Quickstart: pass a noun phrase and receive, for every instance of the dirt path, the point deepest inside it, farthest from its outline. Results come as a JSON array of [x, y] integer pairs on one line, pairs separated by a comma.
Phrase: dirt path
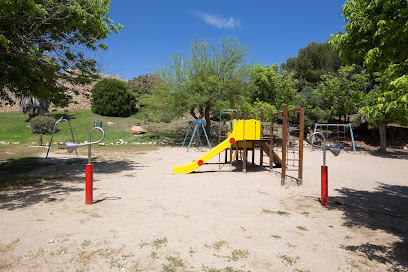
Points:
[[147, 219]]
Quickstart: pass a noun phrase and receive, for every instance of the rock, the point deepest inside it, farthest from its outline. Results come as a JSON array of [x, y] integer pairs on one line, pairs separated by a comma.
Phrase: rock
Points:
[[405, 147], [137, 130], [110, 124], [15, 142], [2, 142]]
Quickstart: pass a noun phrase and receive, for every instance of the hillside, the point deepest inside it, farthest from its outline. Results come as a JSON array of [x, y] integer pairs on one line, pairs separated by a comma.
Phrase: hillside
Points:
[[80, 101]]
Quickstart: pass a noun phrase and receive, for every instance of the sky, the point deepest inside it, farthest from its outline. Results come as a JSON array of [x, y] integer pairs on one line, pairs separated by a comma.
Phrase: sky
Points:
[[272, 30]]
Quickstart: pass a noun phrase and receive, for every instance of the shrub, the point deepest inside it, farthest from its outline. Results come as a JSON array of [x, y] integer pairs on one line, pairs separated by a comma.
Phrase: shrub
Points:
[[143, 84], [111, 97], [42, 124]]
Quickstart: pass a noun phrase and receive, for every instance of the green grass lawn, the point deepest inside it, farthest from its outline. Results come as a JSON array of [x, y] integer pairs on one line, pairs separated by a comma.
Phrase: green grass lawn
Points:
[[14, 128]]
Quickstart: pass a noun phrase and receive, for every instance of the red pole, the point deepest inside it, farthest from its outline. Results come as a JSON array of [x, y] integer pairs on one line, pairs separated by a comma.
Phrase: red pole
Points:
[[88, 184], [325, 197]]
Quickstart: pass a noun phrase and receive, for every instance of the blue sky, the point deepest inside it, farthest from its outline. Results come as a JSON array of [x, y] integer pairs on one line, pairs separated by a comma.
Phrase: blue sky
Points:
[[272, 30]]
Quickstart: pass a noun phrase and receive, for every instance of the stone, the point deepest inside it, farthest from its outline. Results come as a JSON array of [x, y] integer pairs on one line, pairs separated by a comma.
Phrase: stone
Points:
[[110, 124], [137, 130]]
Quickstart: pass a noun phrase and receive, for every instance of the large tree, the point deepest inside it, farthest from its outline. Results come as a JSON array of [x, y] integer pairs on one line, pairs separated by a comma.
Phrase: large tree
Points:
[[312, 61], [212, 77], [344, 93], [378, 32], [271, 86], [45, 44]]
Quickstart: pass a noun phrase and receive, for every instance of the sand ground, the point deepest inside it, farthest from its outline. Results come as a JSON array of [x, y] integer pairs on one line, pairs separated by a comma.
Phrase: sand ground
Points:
[[144, 218]]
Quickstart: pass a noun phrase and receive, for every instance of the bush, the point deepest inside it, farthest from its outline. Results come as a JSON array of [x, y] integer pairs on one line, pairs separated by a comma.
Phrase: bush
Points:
[[42, 124], [143, 84], [111, 97]]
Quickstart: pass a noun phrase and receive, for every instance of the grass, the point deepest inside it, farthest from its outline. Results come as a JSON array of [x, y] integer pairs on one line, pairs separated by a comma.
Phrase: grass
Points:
[[13, 128], [306, 214], [289, 260], [301, 228], [277, 212], [276, 236], [156, 243], [173, 264], [237, 254], [218, 245], [226, 269]]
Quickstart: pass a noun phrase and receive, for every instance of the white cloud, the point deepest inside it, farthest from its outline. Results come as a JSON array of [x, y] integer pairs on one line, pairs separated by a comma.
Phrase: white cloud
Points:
[[218, 21]]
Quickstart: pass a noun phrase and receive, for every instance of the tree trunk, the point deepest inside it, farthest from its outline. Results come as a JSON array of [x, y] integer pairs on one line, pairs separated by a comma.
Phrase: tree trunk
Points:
[[207, 120], [383, 137]]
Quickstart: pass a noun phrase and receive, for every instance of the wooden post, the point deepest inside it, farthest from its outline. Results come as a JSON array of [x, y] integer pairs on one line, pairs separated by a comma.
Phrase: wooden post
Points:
[[261, 143], [244, 149], [271, 144], [301, 136], [231, 126], [284, 143]]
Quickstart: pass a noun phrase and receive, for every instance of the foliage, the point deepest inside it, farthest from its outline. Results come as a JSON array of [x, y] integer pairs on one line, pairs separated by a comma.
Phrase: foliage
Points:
[[42, 124], [270, 86], [44, 44], [383, 107], [377, 31], [313, 107], [344, 93], [209, 79], [143, 84], [33, 105], [313, 61], [256, 107], [112, 97]]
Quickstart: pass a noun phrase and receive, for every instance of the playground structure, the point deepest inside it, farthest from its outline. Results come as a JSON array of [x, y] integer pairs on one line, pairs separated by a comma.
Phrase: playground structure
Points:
[[248, 134], [324, 200], [71, 146], [60, 146], [340, 133], [196, 133]]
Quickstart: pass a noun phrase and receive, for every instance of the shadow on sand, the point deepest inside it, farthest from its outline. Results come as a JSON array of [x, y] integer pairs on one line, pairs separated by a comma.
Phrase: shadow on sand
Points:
[[384, 209], [28, 181]]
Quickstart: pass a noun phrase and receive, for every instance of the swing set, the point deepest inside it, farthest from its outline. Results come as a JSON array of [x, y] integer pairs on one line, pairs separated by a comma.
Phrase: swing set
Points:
[[340, 132], [196, 133]]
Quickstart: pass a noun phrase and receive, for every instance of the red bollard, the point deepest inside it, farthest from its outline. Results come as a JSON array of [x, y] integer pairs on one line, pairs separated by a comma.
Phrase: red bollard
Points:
[[88, 184], [325, 194]]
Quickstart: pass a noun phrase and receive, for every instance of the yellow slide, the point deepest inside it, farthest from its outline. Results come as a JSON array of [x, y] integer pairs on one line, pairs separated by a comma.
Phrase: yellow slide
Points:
[[248, 129]]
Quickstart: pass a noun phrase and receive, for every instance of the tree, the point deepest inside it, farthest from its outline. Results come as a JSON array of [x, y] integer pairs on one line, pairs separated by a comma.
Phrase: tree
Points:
[[378, 32], [277, 89], [344, 94], [112, 97], [312, 61], [33, 105], [44, 44], [209, 79], [143, 84], [313, 105]]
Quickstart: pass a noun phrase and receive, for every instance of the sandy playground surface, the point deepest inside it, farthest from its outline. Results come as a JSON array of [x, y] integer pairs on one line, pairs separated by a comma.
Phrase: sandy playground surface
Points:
[[146, 219]]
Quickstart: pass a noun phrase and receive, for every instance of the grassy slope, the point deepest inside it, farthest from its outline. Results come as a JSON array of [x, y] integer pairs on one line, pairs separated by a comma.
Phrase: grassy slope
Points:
[[13, 128]]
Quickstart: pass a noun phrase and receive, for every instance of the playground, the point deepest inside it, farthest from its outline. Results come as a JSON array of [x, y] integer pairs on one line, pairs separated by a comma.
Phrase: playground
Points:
[[145, 218]]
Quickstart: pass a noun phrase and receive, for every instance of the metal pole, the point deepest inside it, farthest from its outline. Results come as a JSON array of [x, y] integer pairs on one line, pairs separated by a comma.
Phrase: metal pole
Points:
[[324, 200], [89, 170]]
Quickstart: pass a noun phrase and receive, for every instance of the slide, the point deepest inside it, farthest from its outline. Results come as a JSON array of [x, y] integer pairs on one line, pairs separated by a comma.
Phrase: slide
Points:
[[190, 167], [275, 157]]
